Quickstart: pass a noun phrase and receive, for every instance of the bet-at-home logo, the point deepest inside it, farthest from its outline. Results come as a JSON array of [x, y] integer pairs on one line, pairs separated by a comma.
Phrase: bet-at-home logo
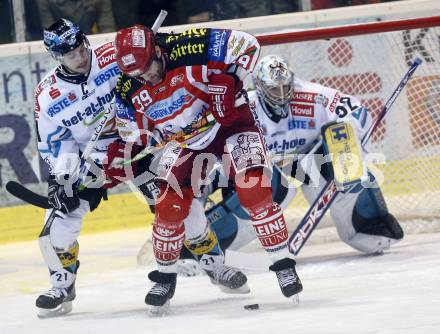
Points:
[[91, 113]]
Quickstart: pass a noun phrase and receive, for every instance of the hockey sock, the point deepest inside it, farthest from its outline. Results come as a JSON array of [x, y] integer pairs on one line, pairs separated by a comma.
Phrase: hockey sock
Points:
[[267, 217]]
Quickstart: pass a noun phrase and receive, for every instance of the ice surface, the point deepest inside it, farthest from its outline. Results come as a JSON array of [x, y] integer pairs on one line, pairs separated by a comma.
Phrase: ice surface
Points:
[[344, 292]]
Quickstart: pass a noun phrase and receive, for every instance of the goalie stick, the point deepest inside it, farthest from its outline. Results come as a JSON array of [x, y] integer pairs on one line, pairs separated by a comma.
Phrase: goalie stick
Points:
[[329, 192]]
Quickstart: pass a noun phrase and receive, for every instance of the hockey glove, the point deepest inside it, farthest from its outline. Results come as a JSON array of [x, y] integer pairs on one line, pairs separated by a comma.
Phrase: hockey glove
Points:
[[222, 90], [59, 200], [115, 165]]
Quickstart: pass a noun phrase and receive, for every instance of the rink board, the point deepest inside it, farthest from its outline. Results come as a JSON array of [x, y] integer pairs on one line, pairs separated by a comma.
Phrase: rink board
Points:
[[125, 211], [120, 212]]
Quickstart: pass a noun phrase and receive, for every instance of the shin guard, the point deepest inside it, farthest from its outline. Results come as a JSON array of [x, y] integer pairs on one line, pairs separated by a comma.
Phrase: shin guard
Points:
[[167, 244], [267, 217]]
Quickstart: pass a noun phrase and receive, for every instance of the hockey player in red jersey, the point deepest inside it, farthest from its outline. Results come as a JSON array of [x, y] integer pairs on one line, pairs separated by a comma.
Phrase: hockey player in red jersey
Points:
[[187, 89]]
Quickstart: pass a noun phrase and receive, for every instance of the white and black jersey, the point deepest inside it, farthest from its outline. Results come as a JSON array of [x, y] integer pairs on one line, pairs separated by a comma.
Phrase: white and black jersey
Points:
[[68, 107], [311, 107]]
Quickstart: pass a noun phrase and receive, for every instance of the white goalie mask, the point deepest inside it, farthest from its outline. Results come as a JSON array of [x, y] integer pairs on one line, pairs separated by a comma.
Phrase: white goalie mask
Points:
[[273, 81]]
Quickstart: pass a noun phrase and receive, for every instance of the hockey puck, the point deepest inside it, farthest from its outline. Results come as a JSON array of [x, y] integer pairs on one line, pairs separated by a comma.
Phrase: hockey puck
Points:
[[252, 307]]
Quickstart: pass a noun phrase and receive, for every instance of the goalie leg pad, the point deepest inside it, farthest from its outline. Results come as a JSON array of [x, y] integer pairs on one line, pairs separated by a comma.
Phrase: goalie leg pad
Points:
[[356, 214], [344, 148]]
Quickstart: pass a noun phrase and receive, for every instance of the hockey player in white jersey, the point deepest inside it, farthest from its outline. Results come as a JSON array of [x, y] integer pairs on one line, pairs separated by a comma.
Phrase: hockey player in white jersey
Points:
[[291, 113], [69, 101]]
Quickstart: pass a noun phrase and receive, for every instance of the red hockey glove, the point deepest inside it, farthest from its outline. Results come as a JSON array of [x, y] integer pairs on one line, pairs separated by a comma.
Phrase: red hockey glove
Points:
[[115, 170], [222, 89]]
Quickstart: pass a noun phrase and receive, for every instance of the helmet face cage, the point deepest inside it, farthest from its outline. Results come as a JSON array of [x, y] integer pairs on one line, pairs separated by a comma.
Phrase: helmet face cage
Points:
[[62, 37], [274, 83]]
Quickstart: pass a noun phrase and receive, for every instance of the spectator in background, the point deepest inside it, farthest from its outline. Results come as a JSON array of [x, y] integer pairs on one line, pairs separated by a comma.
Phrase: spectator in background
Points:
[[251, 8], [233, 9], [93, 16], [6, 17], [327, 4]]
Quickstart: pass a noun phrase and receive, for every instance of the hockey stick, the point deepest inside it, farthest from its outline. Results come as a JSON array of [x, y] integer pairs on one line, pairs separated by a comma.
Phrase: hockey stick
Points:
[[18, 190], [329, 192], [48, 251], [21, 192]]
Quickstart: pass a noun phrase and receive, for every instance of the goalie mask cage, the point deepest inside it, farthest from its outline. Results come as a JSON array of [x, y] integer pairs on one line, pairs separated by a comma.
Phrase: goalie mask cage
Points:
[[368, 61]]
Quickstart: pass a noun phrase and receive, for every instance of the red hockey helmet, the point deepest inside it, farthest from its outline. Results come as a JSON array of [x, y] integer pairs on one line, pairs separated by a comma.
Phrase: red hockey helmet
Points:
[[134, 50]]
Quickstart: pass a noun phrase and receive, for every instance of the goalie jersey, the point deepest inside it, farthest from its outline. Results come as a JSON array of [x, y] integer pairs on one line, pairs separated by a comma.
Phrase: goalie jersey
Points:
[[311, 106]]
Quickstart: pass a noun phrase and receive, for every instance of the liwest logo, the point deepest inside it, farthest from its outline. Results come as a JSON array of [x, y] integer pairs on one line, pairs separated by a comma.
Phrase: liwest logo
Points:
[[61, 104], [106, 75], [90, 113], [170, 108]]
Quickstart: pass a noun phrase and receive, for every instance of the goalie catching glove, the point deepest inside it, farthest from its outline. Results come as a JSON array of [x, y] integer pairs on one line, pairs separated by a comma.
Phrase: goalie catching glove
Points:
[[116, 165], [227, 100]]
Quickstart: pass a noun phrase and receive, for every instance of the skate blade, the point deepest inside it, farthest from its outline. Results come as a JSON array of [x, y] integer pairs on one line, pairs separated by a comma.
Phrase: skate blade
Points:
[[295, 299], [241, 290], [159, 311], [60, 310]]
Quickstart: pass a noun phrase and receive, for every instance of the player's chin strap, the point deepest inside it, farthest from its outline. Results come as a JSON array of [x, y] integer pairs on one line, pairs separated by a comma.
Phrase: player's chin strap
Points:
[[50, 256], [329, 192]]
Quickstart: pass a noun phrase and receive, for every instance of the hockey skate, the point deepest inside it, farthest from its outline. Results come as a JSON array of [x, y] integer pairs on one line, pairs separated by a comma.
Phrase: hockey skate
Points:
[[55, 302], [162, 291], [228, 279], [288, 279]]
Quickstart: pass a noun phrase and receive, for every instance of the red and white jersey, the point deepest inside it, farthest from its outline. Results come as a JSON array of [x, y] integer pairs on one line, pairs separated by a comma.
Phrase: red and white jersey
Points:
[[68, 107], [177, 108], [311, 107]]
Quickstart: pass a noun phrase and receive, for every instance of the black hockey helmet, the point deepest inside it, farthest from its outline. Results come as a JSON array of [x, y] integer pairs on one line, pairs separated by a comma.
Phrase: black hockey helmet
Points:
[[63, 36]]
